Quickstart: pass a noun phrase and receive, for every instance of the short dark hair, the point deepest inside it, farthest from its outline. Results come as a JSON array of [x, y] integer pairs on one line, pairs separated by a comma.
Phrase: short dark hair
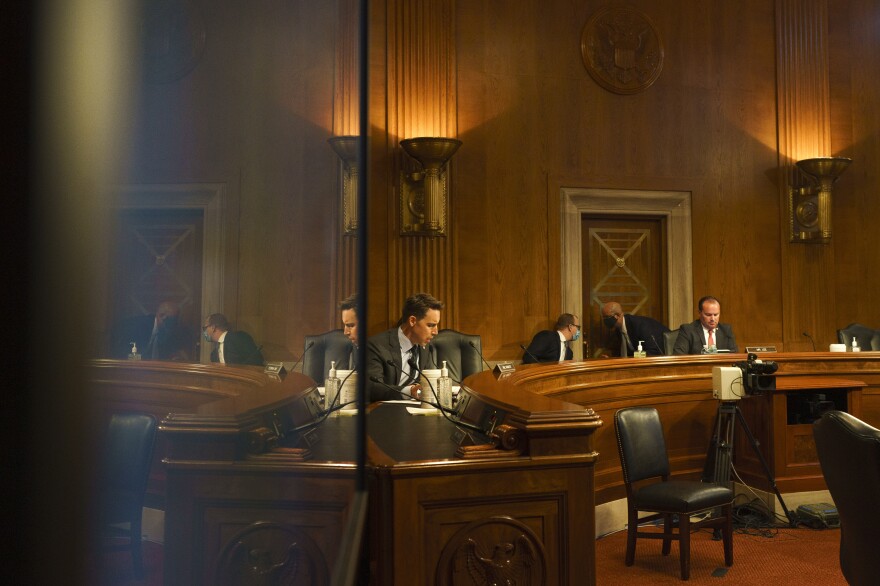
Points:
[[564, 320], [704, 300], [418, 305], [218, 320], [349, 302]]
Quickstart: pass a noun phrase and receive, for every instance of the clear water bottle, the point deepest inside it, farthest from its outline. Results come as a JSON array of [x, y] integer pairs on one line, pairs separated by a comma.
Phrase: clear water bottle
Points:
[[855, 345]]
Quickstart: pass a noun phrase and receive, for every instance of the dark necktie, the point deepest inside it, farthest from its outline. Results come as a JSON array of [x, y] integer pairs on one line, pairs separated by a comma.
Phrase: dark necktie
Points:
[[413, 362]]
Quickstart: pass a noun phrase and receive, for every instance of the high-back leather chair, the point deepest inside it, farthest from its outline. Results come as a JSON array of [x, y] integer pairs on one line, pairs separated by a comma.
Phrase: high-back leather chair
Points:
[[461, 357], [643, 457], [669, 339], [862, 333], [125, 470], [325, 348], [875, 341], [849, 454]]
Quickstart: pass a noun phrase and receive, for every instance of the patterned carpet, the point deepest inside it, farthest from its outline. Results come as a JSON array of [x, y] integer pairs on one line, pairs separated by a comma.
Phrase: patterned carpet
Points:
[[776, 557]]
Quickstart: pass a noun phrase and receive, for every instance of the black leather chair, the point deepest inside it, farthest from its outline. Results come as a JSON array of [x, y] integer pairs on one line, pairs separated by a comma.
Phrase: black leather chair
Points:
[[669, 339], [123, 482], [643, 457], [849, 454], [863, 334], [875, 341], [461, 358], [329, 346]]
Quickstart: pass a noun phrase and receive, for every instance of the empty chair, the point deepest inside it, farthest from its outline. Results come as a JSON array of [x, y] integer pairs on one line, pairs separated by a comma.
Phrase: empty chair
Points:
[[325, 348], [461, 357], [669, 339], [123, 482], [875, 341], [849, 454], [643, 457], [863, 334]]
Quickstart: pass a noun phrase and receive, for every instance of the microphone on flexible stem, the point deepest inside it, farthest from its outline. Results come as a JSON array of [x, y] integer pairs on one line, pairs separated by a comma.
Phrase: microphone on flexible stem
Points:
[[474, 346], [308, 347], [526, 350], [659, 349], [322, 415], [811, 340], [443, 410], [399, 371]]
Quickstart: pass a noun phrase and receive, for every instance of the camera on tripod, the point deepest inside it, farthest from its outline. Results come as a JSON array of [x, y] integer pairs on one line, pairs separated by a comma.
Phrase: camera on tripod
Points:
[[757, 375]]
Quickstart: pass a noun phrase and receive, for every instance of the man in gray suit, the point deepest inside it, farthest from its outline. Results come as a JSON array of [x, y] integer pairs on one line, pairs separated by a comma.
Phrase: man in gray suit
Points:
[[707, 332], [394, 356]]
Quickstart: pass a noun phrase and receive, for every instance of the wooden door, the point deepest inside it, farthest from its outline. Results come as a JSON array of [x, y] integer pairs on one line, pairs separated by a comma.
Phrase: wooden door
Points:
[[157, 257], [624, 260]]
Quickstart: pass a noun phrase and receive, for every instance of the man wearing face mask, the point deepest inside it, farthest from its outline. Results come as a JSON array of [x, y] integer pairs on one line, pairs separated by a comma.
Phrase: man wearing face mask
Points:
[[156, 337], [552, 345], [631, 329]]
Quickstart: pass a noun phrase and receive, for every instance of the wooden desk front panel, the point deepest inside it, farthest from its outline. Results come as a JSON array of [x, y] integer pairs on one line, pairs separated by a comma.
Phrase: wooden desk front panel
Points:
[[433, 517], [276, 507], [680, 387]]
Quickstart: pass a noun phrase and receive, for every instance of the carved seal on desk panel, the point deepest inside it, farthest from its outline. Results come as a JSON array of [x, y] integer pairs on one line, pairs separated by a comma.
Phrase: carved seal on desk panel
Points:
[[622, 50], [271, 553], [497, 550]]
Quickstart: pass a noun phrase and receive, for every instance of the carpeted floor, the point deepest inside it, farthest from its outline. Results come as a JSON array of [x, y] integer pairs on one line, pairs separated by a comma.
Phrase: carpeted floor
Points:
[[775, 557]]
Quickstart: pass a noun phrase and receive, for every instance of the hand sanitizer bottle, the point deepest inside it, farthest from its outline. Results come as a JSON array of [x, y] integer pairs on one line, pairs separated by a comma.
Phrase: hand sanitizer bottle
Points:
[[640, 353], [444, 387], [331, 387], [855, 345], [134, 352]]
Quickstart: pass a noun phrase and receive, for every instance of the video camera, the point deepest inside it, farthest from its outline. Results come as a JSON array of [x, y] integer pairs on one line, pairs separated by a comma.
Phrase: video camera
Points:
[[757, 375]]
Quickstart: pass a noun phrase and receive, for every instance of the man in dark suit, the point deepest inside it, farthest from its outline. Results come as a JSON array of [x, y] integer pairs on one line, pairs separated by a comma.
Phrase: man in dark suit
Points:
[[633, 329], [232, 347], [706, 333], [392, 354], [157, 337], [348, 309], [552, 345]]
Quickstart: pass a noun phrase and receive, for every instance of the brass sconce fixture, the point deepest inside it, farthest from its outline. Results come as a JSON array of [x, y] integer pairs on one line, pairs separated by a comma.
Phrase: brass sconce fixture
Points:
[[424, 192], [347, 149], [809, 206]]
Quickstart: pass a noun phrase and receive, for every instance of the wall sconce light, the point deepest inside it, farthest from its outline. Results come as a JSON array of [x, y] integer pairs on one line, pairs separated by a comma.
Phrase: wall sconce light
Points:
[[347, 149], [424, 192], [809, 206]]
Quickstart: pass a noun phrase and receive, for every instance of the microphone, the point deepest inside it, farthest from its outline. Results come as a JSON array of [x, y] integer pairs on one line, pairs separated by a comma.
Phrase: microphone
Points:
[[322, 415], [530, 354], [443, 410], [811, 340], [474, 346], [659, 349], [308, 347]]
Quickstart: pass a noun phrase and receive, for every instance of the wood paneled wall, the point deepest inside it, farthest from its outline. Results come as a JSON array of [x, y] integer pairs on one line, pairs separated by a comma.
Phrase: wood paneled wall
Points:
[[508, 80], [533, 121]]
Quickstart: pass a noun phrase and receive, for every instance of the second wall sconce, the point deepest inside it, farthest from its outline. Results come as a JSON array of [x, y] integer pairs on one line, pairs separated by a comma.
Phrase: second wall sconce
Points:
[[347, 149], [809, 207], [424, 192]]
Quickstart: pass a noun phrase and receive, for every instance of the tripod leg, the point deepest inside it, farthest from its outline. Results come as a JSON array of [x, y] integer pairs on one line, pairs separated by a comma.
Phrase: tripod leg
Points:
[[754, 443]]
